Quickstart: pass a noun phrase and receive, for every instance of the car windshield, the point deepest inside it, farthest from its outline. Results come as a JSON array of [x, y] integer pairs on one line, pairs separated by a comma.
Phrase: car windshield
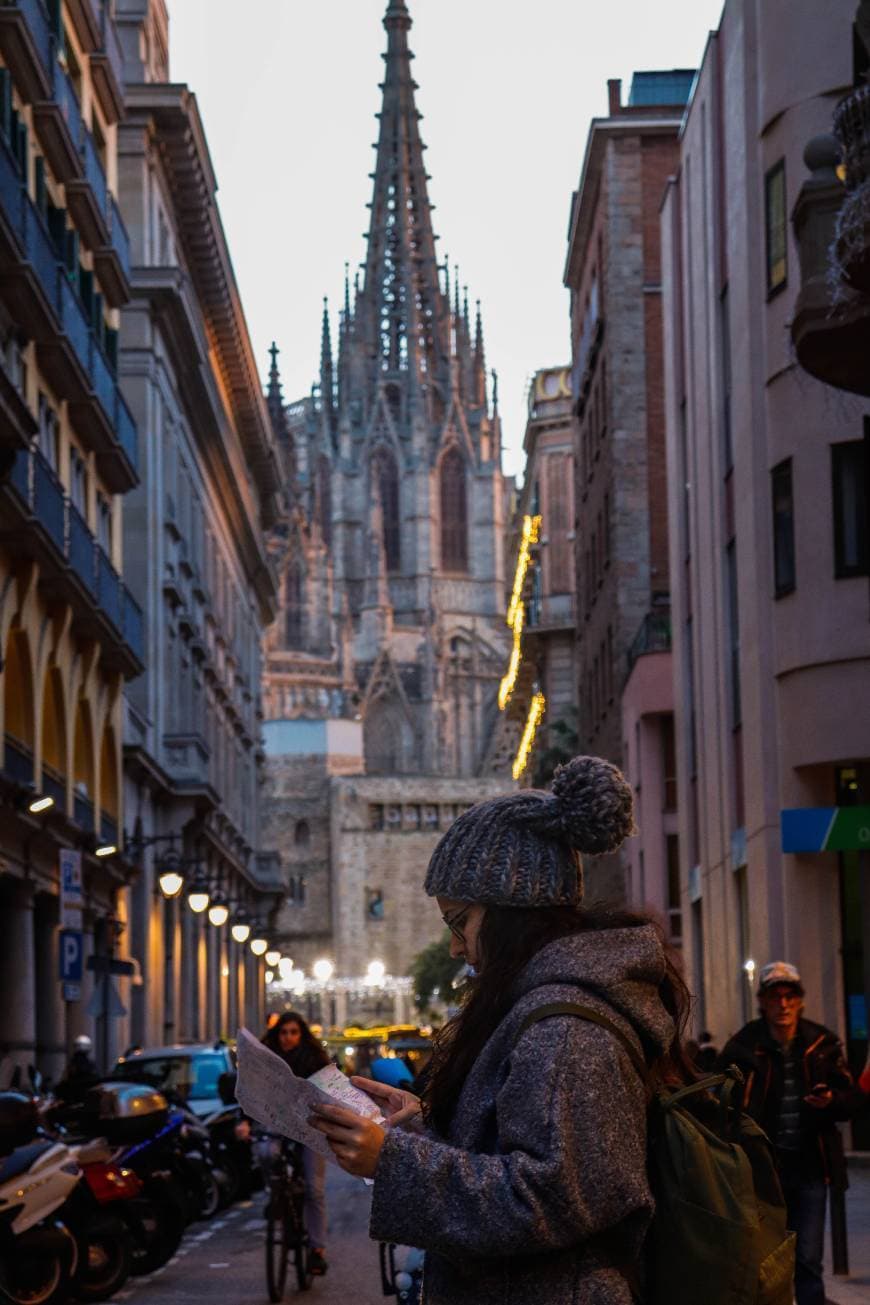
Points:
[[191, 1077]]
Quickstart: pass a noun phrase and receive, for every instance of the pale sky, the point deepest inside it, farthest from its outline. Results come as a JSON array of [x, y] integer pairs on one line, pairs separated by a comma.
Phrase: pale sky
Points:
[[288, 91]]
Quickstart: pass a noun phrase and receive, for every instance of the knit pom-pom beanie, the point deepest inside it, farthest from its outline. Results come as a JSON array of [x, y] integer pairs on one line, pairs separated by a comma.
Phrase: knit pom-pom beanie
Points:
[[524, 849]]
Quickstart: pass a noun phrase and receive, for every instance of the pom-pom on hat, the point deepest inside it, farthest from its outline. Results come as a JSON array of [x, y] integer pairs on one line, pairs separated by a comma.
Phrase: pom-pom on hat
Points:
[[522, 849]]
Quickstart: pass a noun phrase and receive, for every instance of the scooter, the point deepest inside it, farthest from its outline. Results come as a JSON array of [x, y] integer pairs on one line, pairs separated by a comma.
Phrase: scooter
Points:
[[39, 1254]]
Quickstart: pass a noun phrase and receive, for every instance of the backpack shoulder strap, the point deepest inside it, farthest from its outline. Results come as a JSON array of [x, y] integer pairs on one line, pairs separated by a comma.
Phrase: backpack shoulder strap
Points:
[[593, 1016]]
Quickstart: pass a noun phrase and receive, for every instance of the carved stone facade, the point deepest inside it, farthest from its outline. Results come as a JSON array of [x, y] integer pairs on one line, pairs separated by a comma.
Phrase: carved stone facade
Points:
[[392, 596]]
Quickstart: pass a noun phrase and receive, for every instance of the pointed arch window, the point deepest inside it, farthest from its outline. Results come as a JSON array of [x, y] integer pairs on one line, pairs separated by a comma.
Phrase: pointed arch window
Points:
[[293, 606], [324, 497], [454, 512], [386, 474]]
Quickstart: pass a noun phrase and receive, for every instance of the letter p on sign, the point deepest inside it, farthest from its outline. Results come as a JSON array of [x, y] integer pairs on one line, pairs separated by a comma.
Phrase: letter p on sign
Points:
[[71, 956]]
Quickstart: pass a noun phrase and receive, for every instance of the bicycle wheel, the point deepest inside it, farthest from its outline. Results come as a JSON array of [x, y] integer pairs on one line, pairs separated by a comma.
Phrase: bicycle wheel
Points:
[[297, 1239], [277, 1247]]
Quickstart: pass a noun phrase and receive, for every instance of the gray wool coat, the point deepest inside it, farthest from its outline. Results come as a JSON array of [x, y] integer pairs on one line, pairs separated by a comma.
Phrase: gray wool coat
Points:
[[540, 1187]]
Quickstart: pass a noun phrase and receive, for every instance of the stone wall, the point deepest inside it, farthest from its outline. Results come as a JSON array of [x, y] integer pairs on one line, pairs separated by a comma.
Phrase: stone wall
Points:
[[383, 832]]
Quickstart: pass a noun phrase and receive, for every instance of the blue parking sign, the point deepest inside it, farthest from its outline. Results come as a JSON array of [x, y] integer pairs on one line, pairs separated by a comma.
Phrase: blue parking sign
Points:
[[71, 956]]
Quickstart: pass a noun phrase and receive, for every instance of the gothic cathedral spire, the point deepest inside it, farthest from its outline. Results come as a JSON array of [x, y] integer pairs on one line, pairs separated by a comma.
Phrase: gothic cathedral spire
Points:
[[400, 312]]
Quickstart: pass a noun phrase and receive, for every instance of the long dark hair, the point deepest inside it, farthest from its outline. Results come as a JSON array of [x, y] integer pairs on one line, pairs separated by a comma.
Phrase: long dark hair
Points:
[[310, 1055], [509, 938]]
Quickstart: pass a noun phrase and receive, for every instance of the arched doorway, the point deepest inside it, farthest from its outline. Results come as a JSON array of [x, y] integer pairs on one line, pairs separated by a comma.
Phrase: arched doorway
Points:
[[83, 768], [54, 755], [19, 724]]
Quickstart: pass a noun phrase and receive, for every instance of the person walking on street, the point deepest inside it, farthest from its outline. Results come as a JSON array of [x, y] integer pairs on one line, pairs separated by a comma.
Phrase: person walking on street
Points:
[[798, 1086], [291, 1038], [522, 1173], [81, 1073]]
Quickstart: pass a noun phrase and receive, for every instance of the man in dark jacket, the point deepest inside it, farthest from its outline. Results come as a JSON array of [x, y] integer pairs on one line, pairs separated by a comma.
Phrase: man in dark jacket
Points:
[[797, 1086]]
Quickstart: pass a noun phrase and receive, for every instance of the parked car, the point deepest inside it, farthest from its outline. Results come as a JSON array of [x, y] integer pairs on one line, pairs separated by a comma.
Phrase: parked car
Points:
[[187, 1072]]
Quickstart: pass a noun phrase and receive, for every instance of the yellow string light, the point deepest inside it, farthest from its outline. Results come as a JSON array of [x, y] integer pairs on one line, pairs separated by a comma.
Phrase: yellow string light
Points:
[[530, 532], [537, 707], [516, 613], [506, 688]]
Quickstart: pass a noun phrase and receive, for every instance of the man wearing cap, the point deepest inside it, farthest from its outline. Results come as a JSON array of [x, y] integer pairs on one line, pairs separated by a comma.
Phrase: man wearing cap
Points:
[[797, 1086]]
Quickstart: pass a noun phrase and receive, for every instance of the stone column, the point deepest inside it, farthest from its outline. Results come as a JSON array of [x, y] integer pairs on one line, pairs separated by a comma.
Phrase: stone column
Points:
[[201, 925], [51, 1050], [341, 1008], [187, 1021], [17, 984], [172, 952], [233, 1020], [139, 927], [241, 968]]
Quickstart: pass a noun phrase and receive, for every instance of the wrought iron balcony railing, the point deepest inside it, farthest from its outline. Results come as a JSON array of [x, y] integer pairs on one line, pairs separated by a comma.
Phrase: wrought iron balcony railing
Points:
[[76, 551], [654, 636]]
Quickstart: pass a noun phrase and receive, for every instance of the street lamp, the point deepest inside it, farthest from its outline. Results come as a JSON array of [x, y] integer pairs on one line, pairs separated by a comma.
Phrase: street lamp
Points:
[[169, 877], [105, 849], [198, 895], [219, 910], [259, 946], [285, 969], [41, 803], [240, 928], [376, 971], [322, 970], [273, 956], [269, 976]]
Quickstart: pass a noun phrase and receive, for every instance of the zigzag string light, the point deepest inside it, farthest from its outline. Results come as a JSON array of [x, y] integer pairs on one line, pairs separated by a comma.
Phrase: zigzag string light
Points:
[[531, 530], [516, 613], [537, 707]]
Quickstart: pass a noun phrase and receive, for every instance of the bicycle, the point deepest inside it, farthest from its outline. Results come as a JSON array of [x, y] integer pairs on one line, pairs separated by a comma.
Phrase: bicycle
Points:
[[285, 1225]]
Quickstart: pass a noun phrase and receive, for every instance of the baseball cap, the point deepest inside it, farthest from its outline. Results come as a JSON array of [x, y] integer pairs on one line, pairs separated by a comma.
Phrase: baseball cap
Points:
[[779, 972]]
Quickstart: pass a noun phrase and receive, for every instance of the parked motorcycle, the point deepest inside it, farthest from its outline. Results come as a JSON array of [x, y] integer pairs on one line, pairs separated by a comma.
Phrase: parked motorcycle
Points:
[[38, 1253], [231, 1144], [78, 1245]]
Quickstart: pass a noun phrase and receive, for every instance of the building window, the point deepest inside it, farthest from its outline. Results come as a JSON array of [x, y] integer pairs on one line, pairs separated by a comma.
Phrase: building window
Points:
[[375, 903], [293, 606], [454, 512], [104, 523], [324, 498], [302, 833], [669, 763], [733, 631], [776, 227], [376, 815], [385, 473], [78, 481], [849, 470], [725, 331], [675, 915], [782, 502], [49, 432]]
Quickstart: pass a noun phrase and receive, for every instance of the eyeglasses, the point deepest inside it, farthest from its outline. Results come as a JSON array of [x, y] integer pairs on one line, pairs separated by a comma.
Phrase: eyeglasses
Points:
[[454, 925]]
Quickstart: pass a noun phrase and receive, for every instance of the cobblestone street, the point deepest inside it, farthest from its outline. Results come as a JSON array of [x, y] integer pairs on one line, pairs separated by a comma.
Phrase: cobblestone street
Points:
[[854, 1290], [225, 1259]]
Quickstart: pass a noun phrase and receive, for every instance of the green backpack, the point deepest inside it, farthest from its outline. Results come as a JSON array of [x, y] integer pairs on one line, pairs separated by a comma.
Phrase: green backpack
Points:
[[719, 1231]]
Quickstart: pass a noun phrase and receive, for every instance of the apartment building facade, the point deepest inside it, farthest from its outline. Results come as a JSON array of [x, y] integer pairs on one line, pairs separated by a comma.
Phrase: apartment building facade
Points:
[[71, 631], [768, 532], [195, 534], [613, 272]]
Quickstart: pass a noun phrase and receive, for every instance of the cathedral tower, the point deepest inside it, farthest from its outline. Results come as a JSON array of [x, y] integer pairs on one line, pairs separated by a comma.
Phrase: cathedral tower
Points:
[[393, 566]]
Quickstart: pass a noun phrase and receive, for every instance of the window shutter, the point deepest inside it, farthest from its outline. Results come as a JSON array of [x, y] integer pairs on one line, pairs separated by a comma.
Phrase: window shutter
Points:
[[5, 103], [72, 251], [56, 219], [41, 193]]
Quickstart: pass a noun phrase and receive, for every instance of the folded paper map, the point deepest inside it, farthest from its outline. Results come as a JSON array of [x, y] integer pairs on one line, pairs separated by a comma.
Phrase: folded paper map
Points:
[[275, 1097]]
